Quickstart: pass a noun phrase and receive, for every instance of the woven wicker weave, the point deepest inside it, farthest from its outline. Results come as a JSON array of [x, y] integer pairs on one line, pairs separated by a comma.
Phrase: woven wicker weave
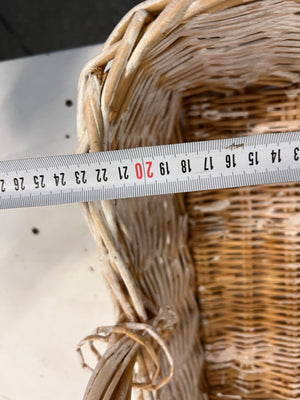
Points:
[[206, 284]]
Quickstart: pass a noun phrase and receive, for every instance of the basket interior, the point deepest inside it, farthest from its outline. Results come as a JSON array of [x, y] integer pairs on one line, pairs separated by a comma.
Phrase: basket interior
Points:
[[245, 242], [230, 75]]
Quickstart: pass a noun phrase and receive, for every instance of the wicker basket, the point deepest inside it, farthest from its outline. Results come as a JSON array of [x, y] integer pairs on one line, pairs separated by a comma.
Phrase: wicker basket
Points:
[[206, 284]]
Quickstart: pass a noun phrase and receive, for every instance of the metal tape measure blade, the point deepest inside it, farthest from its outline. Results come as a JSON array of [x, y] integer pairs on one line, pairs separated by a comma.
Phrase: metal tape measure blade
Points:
[[146, 171]]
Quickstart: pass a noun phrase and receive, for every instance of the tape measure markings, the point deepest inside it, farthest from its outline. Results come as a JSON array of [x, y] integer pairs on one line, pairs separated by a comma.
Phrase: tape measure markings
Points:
[[146, 171]]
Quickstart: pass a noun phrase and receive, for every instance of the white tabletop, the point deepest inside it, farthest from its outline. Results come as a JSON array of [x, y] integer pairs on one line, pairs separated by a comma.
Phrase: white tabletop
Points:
[[51, 290]]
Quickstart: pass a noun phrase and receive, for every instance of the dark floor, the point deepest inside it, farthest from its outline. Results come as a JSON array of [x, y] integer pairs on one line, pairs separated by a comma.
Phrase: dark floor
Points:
[[38, 26]]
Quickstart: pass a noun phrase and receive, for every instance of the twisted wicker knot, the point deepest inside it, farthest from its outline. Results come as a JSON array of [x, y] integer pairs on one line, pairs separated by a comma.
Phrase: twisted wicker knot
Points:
[[165, 322], [141, 333]]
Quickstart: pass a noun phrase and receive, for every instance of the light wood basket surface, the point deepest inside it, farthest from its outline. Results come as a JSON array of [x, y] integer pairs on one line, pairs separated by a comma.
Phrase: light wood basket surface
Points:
[[205, 284]]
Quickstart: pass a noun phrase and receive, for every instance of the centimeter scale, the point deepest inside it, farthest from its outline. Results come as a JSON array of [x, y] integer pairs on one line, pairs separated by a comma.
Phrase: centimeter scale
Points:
[[145, 171]]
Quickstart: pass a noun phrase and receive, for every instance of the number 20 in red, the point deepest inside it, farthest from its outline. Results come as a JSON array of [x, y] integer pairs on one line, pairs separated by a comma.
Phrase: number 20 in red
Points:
[[139, 170]]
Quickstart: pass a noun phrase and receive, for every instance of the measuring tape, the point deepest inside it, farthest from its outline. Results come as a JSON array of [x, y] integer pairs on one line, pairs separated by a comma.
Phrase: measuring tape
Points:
[[146, 171]]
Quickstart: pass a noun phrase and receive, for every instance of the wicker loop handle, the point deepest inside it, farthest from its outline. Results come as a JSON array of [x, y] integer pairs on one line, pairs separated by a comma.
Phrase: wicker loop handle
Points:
[[128, 329]]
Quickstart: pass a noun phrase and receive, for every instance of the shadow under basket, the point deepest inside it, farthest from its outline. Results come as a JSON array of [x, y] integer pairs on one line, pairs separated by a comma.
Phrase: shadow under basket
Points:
[[205, 284]]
